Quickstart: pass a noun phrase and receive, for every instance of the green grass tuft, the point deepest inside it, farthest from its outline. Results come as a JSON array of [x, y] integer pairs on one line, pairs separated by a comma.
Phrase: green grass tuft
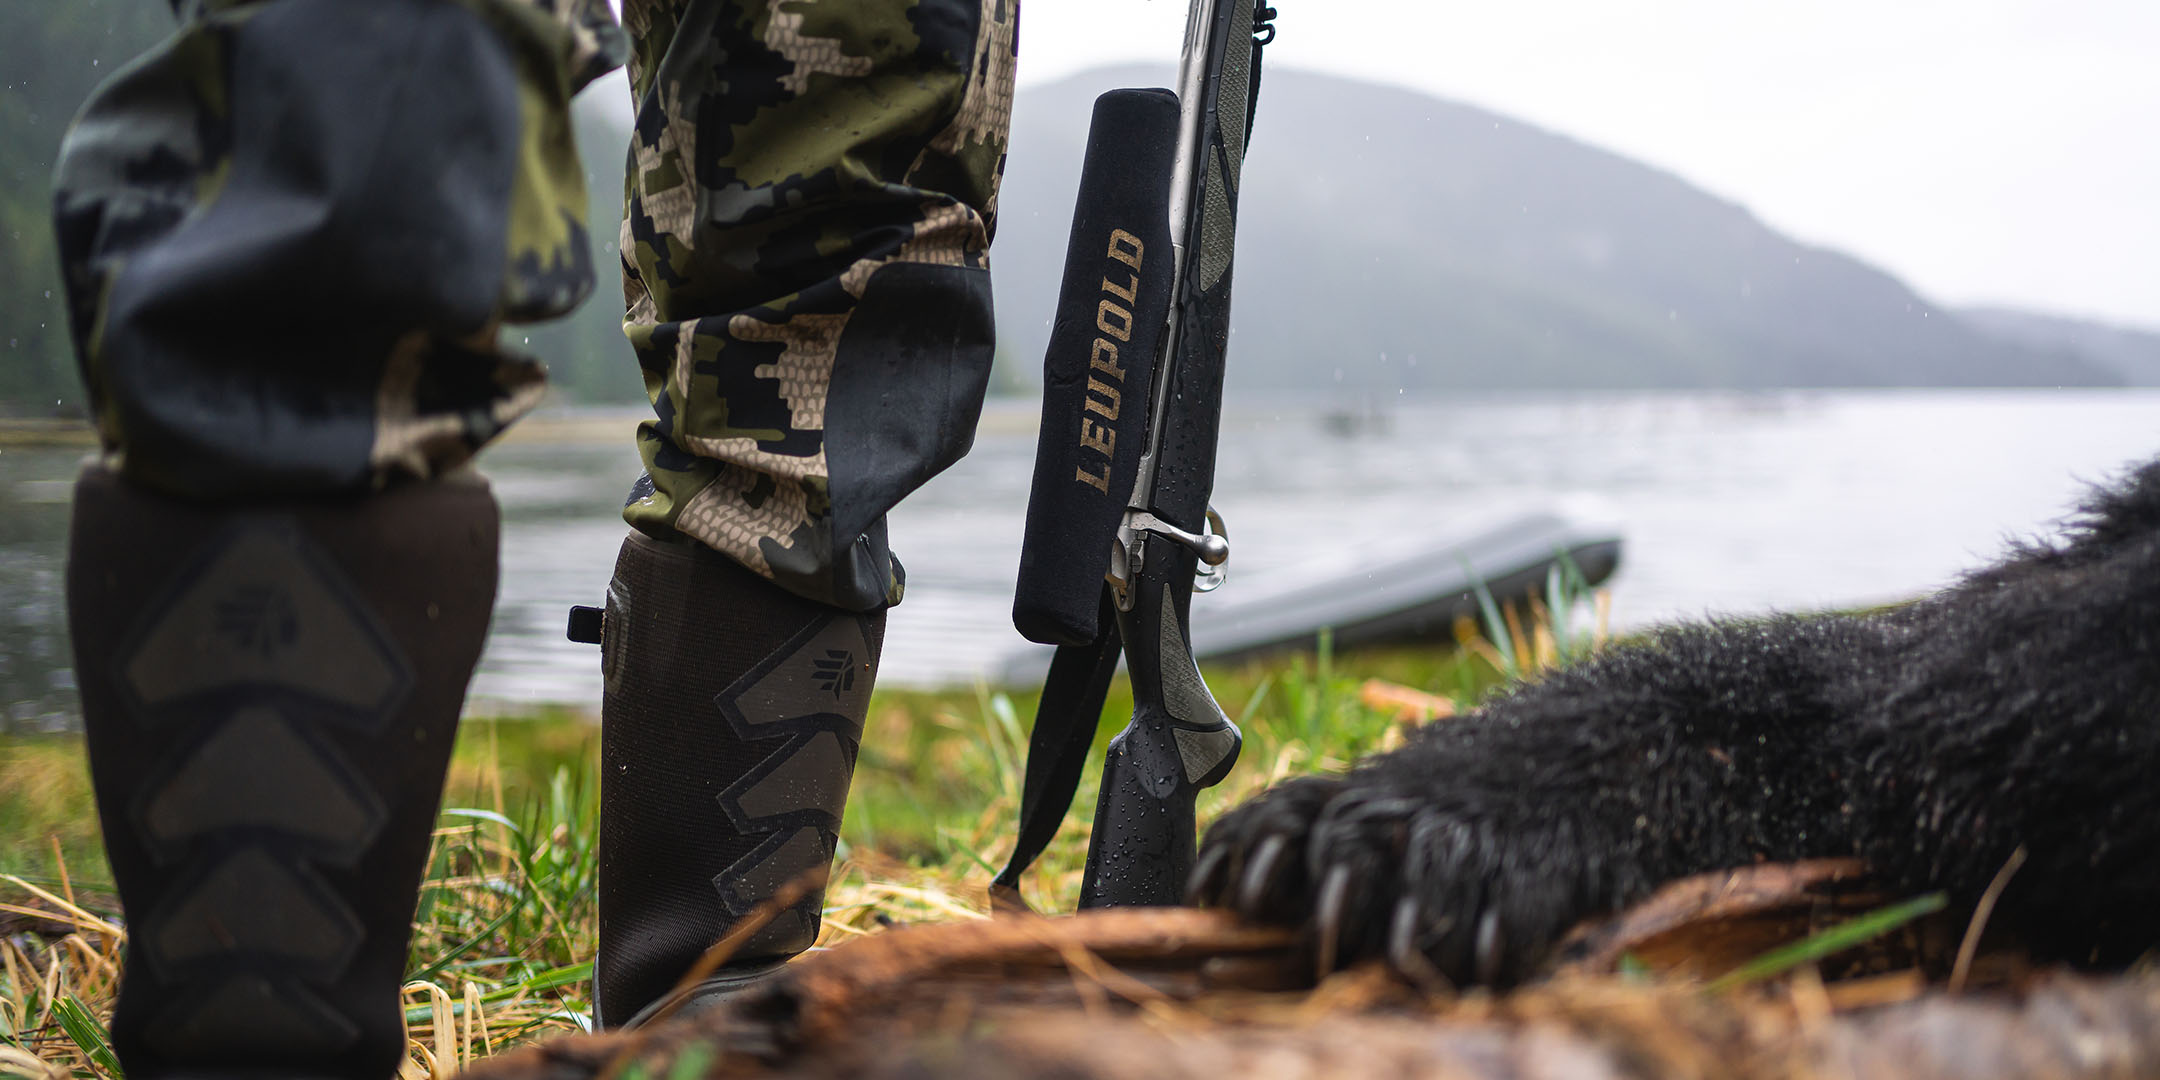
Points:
[[504, 926]]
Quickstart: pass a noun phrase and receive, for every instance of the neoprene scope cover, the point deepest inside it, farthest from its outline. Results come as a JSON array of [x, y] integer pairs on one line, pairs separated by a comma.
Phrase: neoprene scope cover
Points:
[[1099, 369]]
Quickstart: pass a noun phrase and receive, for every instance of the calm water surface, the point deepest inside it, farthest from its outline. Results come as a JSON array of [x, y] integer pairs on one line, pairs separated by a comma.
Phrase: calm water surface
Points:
[[1728, 503]]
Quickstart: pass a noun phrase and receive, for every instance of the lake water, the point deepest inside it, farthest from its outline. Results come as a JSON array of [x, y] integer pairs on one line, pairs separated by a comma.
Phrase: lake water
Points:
[[1728, 503]]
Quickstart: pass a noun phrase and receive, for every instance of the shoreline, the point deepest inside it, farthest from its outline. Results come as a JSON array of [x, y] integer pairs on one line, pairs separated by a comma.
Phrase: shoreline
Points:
[[33, 433]]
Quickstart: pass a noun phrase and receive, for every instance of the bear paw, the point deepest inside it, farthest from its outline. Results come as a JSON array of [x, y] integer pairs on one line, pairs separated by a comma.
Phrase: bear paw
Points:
[[1423, 879]]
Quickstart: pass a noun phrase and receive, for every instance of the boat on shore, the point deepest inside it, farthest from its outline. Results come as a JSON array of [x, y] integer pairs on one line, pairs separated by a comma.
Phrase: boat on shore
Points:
[[1413, 592]]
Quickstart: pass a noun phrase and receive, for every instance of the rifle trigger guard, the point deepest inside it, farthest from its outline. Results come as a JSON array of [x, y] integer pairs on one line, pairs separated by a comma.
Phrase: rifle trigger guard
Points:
[[1125, 559]]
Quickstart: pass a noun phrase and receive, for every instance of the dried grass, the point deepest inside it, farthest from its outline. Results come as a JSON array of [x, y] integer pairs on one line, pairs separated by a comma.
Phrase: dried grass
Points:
[[504, 930]]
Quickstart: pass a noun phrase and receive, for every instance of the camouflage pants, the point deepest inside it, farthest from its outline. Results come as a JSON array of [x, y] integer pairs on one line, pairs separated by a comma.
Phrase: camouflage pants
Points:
[[292, 233]]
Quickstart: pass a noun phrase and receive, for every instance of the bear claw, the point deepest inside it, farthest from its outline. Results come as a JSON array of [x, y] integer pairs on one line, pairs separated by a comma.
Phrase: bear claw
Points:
[[1260, 874]]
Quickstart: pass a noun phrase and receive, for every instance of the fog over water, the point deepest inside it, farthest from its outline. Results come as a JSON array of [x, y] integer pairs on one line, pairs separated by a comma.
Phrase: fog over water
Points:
[[1728, 503]]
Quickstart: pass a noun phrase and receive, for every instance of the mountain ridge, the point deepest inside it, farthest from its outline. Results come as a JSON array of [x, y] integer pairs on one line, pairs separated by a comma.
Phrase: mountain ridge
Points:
[[1376, 245], [2132, 351]]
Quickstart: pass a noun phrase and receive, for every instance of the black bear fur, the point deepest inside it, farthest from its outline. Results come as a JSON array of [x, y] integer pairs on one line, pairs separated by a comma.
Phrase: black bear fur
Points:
[[2021, 706]]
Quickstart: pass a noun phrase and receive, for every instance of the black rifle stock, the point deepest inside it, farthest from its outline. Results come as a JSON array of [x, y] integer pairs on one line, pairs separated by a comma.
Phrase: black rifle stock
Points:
[[1118, 520]]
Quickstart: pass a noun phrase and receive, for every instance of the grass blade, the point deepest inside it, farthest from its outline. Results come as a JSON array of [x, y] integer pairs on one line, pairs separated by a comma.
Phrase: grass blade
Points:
[[486, 933], [484, 815], [87, 1034], [1836, 939], [1496, 630], [544, 981]]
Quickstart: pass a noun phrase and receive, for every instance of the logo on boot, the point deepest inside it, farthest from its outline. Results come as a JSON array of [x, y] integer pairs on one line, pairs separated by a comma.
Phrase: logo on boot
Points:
[[257, 618], [835, 674]]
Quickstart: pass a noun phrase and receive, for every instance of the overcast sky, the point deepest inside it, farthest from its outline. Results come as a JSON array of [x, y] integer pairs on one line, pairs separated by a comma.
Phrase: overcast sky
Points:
[[2002, 151]]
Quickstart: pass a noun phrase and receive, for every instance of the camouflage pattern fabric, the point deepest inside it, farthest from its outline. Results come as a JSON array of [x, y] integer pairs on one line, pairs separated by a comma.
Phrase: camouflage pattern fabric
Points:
[[811, 191], [290, 232]]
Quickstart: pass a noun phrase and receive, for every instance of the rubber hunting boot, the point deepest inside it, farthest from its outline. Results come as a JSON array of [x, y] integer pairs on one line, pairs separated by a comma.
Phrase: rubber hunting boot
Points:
[[729, 732], [270, 694]]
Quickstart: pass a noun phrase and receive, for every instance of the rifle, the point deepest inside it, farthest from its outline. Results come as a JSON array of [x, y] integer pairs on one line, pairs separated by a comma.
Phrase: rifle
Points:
[[1119, 531]]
